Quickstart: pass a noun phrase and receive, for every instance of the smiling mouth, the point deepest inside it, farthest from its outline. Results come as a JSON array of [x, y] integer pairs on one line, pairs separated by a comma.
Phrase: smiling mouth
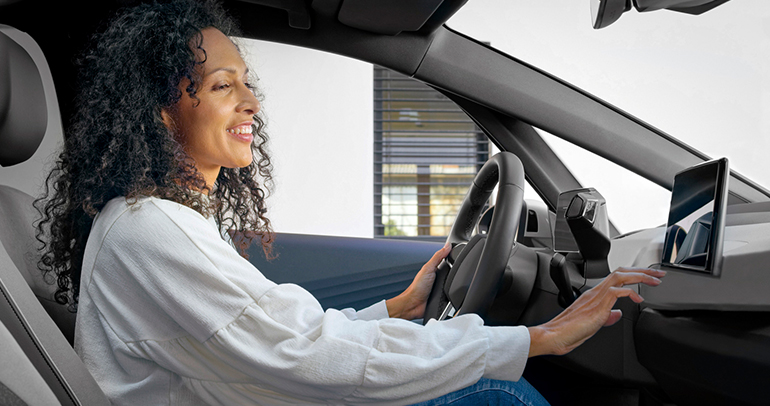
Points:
[[243, 132], [240, 130]]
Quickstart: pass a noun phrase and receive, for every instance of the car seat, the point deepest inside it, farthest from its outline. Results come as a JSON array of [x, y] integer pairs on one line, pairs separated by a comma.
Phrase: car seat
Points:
[[35, 330]]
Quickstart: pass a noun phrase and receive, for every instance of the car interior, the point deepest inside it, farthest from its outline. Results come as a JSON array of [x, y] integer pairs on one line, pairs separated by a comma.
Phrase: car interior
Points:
[[700, 338]]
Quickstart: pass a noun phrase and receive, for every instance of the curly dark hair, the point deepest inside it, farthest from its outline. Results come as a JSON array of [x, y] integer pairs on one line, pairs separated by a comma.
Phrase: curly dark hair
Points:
[[118, 144]]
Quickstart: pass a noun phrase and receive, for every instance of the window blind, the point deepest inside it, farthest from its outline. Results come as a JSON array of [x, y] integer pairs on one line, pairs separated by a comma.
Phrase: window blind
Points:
[[426, 153]]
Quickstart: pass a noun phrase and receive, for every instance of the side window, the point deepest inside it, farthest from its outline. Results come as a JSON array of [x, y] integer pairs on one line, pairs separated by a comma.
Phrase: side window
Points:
[[318, 108], [361, 151], [426, 153]]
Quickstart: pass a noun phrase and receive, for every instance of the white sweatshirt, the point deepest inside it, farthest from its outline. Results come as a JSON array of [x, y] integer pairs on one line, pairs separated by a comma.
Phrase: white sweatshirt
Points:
[[170, 314]]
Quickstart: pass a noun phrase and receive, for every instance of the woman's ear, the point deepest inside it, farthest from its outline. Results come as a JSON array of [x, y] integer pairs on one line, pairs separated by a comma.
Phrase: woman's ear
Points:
[[167, 120], [167, 116]]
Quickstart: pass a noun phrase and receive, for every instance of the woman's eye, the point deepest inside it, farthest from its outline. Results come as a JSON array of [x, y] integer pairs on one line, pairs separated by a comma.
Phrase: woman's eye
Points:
[[222, 86], [249, 85]]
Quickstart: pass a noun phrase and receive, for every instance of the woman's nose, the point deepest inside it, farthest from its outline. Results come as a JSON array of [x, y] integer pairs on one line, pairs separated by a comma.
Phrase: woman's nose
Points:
[[249, 101]]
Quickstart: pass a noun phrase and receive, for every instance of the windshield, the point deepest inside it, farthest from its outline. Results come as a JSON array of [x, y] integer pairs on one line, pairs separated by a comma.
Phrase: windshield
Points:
[[702, 79]]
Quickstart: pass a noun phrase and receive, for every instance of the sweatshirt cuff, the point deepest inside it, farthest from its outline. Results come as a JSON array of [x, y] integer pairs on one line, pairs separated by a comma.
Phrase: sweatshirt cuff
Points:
[[377, 311], [508, 352]]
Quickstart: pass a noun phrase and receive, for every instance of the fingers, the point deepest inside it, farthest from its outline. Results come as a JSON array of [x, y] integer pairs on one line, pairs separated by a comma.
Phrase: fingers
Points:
[[659, 273], [615, 316], [634, 278], [631, 276], [626, 292], [440, 255], [594, 308]]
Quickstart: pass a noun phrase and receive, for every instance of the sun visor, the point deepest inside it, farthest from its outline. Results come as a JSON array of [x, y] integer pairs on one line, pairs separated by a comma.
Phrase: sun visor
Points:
[[23, 109], [389, 17]]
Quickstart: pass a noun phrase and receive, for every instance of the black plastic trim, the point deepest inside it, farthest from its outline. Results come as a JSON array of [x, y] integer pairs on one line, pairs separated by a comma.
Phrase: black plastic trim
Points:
[[707, 358]]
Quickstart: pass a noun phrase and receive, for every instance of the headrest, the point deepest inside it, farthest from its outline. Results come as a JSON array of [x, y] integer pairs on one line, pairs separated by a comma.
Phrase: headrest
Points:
[[23, 109]]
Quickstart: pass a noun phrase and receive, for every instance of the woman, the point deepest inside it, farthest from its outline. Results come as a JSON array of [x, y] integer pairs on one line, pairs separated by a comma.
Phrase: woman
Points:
[[165, 157]]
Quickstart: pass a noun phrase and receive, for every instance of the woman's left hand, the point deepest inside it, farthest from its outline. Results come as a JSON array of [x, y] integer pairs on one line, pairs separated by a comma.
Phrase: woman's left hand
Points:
[[411, 303]]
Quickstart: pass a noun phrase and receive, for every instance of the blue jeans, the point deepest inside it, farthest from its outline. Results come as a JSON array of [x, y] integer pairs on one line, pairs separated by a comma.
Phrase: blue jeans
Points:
[[491, 392]]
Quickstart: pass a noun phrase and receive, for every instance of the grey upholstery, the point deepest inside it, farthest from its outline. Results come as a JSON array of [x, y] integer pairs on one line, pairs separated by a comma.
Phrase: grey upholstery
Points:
[[21, 384], [26, 308], [23, 119], [17, 237], [27, 175]]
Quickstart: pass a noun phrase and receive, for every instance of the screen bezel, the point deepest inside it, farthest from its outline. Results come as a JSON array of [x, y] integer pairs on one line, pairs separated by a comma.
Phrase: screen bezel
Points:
[[715, 244]]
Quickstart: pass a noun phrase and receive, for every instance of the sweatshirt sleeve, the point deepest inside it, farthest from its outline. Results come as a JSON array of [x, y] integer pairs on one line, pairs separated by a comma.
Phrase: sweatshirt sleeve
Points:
[[236, 337]]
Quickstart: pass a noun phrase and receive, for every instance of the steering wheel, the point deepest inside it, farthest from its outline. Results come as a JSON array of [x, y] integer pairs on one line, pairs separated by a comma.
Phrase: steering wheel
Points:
[[471, 276]]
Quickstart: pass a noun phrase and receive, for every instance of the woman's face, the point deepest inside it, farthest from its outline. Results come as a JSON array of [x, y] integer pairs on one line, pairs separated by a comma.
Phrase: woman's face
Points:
[[216, 129]]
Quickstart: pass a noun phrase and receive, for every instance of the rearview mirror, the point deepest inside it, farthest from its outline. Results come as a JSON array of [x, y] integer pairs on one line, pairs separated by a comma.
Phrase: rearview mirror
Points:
[[606, 12], [683, 6]]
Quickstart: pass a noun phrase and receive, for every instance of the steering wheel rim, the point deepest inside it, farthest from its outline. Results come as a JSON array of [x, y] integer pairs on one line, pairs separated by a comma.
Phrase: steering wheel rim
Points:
[[506, 171]]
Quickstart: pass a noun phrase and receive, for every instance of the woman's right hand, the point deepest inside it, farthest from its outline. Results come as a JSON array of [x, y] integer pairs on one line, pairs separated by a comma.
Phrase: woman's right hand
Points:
[[590, 312], [411, 303]]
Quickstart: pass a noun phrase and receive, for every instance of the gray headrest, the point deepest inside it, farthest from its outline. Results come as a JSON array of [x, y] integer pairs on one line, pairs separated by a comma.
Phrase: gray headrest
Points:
[[23, 109]]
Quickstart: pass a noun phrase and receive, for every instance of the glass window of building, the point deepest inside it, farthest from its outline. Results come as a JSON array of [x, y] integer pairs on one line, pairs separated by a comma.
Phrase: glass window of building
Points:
[[426, 153]]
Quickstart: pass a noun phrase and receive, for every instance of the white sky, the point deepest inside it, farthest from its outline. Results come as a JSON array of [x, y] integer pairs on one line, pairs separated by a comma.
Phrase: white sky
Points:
[[702, 79]]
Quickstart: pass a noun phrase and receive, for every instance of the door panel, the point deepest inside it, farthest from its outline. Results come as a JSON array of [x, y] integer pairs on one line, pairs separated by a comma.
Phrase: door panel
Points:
[[342, 271]]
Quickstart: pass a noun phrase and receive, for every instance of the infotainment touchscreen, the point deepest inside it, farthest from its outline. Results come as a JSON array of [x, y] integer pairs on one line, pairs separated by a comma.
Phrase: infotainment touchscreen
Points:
[[696, 218]]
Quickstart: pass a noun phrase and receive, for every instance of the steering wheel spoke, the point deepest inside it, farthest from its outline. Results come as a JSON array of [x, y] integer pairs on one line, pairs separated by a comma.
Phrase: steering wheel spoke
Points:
[[448, 313]]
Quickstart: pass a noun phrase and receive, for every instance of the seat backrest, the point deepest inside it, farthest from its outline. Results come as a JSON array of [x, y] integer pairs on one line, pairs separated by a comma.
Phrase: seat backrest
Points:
[[23, 292], [17, 216], [22, 384]]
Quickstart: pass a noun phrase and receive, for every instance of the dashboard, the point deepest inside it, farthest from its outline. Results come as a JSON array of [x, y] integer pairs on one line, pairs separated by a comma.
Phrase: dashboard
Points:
[[702, 336], [705, 338], [744, 279]]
